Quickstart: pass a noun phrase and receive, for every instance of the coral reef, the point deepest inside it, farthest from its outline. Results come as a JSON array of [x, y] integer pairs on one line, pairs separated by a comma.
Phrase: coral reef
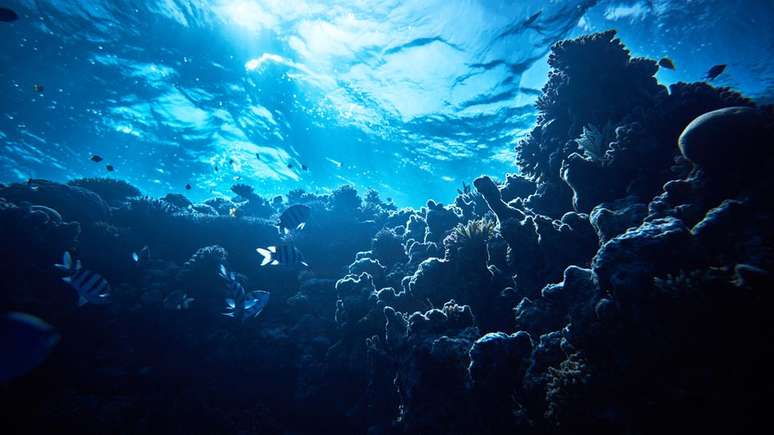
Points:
[[618, 284]]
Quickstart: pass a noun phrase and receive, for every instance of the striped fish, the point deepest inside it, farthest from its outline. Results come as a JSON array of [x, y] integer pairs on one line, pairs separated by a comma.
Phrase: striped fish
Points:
[[285, 255], [240, 304], [294, 218], [91, 287]]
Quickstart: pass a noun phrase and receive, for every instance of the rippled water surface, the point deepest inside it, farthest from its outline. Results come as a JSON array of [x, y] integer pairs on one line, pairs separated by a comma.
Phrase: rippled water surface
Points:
[[408, 97]]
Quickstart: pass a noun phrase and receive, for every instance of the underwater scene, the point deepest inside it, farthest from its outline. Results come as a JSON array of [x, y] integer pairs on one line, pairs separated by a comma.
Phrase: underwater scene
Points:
[[386, 217]]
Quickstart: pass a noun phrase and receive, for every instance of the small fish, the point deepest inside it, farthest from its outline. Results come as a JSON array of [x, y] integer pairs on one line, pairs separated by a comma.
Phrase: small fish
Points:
[[96, 158], [258, 156], [531, 19], [285, 255], [715, 71], [294, 218], [7, 15], [143, 256], [240, 304], [25, 341], [215, 167], [187, 187], [304, 167], [231, 162], [232, 212], [37, 87], [110, 168], [91, 287], [178, 300], [667, 63], [290, 166]]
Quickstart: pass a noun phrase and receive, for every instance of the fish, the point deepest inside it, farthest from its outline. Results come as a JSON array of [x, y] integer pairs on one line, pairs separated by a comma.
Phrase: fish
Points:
[[258, 156], [294, 218], [178, 300], [232, 212], [215, 167], [304, 167], [25, 342], [240, 304], [715, 71], [110, 168], [187, 187], [285, 255], [667, 63], [37, 87], [96, 158], [91, 287], [290, 166], [8, 15], [143, 256]]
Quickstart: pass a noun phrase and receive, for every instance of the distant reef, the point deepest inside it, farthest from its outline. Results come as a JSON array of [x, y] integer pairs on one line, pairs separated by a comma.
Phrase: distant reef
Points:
[[620, 282]]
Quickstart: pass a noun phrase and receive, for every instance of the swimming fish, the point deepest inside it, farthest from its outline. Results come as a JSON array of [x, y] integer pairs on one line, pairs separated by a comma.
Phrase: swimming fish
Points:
[[285, 255], [232, 212], [91, 287], [290, 166], [258, 156], [7, 15], [38, 87], [240, 304], [304, 167], [715, 71], [96, 158], [143, 256], [667, 63], [178, 300], [25, 341], [110, 168], [187, 187], [294, 218]]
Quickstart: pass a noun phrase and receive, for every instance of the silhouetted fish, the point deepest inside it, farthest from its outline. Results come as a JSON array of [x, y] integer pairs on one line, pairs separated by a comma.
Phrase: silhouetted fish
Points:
[[110, 168], [715, 71], [96, 158], [294, 218], [187, 187], [285, 255], [143, 256], [290, 166], [240, 304], [25, 341], [667, 63], [7, 15], [38, 87], [91, 287], [304, 167]]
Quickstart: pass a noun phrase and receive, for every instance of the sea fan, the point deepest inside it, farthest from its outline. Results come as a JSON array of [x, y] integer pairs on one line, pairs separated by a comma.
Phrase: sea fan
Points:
[[594, 142]]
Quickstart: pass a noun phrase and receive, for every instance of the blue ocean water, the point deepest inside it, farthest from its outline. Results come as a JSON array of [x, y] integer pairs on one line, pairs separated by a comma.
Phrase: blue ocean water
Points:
[[407, 97]]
